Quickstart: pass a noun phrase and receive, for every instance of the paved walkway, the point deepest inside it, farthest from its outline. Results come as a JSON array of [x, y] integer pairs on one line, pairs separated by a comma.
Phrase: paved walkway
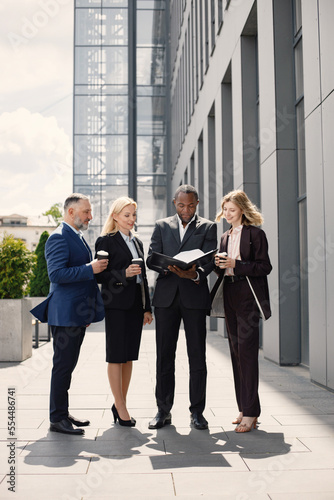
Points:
[[290, 456]]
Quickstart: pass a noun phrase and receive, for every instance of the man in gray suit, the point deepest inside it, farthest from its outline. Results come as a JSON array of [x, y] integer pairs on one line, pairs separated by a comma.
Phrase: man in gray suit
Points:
[[182, 295]]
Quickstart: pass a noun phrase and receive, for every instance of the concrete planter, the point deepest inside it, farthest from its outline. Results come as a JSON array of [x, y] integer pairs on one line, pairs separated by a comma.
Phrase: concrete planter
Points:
[[16, 330]]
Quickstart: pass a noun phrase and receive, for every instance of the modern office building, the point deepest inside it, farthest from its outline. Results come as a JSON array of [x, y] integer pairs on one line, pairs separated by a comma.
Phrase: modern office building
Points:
[[119, 107], [245, 100]]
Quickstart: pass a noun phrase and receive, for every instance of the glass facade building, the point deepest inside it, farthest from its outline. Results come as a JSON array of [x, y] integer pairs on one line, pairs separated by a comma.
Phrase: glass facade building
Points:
[[119, 107]]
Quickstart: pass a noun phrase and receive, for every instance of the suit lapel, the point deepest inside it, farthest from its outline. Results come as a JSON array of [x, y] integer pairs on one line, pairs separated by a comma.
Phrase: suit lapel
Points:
[[76, 239], [140, 253], [121, 242], [225, 241], [87, 246], [174, 226]]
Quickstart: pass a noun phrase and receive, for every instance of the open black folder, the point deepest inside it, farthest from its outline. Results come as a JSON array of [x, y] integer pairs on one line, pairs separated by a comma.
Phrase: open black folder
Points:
[[183, 260]]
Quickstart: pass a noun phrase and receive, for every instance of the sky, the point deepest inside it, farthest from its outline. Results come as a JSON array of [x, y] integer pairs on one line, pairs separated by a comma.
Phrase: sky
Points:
[[36, 104]]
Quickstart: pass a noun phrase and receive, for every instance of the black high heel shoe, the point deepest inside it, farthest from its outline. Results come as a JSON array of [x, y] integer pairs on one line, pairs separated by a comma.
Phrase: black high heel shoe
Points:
[[125, 423]]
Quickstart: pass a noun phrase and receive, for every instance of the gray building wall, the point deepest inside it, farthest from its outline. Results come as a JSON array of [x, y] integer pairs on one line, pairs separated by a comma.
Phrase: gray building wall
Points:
[[240, 130]]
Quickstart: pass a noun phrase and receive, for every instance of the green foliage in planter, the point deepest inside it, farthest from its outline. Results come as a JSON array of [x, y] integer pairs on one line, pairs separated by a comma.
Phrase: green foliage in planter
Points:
[[16, 263], [40, 283]]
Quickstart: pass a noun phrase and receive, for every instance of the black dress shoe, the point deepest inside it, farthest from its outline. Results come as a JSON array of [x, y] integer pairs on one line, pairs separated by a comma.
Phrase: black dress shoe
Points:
[[65, 426], [198, 421], [77, 422], [160, 420]]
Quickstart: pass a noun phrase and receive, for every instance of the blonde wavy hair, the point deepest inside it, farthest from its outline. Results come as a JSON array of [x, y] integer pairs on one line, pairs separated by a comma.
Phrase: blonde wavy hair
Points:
[[250, 213], [111, 226]]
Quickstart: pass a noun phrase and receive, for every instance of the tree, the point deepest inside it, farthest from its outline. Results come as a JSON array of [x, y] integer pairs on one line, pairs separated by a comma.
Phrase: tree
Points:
[[16, 263], [55, 212], [40, 283]]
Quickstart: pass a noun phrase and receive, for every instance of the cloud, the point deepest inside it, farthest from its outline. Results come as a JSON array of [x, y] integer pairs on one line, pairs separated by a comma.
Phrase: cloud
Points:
[[35, 162], [36, 50]]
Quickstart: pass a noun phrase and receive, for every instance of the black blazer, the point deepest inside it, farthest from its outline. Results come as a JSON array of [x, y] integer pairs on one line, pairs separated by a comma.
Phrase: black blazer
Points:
[[118, 292], [254, 263], [201, 234]]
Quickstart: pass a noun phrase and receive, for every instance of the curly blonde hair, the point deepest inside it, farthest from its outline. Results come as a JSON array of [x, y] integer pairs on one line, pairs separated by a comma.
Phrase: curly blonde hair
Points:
[[111, 226], [250, 213]]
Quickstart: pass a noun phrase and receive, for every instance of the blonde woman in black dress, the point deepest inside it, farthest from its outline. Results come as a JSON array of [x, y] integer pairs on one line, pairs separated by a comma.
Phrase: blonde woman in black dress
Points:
[[126, 300]]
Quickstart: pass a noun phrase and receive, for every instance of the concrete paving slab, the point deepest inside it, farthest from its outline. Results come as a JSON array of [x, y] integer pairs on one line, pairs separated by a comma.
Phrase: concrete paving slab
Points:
[[291, 451], [318, 495], [292, 461], [173, 462], [305, 419], [237, 484], [97, 483], [71, 446]]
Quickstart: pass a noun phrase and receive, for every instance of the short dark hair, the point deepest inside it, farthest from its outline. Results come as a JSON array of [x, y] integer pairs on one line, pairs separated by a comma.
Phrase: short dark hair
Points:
[[74, 198], [187, 189]]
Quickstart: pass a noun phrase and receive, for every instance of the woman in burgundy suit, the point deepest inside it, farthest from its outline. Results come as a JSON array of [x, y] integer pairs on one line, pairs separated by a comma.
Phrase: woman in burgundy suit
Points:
[[243, 282]]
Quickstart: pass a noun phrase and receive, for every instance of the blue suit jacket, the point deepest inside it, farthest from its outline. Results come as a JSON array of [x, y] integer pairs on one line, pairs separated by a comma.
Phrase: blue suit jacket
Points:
[[74, 298]]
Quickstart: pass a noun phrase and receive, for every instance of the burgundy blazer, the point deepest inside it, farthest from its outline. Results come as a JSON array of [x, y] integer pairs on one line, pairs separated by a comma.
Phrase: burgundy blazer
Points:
[[254, 263]]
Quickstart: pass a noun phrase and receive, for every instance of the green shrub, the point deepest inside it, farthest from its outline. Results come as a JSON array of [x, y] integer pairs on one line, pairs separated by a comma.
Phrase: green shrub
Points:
[[16, 263], [40, 283]]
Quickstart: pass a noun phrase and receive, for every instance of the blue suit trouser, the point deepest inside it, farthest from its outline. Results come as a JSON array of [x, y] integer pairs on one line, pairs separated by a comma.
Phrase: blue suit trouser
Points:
[[66, 347]]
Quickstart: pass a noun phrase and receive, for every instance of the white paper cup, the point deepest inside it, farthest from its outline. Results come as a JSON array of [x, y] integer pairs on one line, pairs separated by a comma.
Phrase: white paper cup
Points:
[[221, 257], [101, 254]]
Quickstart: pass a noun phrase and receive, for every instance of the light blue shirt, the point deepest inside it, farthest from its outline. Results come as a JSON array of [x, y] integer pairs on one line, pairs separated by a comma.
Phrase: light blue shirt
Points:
[[132, 247]]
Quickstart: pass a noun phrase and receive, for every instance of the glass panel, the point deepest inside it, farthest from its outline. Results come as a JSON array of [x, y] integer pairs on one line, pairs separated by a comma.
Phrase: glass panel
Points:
[[301, 148], [220, 12], [115, 26], [151, 90], [114, 111], [95, 115], [150, 115], [115, 3], [88, 66], [148, 205], [299, 69], [114, 65], [117, 156], [97, 89], [87, 3], [150, 151], [87, 115], [88, 27], [150, 4], [150, 27], [86, 148], [150, 66], [213, 24], [297, 8]]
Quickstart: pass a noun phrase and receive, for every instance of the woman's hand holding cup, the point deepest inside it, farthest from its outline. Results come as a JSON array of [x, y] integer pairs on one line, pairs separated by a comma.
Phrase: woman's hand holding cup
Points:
[[220, 259]]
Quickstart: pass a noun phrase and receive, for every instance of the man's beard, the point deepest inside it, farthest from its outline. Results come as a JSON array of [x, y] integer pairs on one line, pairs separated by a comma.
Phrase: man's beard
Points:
[[80, 224]]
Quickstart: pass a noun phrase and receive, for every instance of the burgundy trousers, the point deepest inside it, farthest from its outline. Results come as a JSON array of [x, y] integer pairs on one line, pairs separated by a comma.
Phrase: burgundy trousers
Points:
[[242, 322]]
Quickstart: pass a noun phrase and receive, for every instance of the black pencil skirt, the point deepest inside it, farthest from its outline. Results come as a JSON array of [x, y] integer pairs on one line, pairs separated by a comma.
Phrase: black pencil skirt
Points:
[[123, 331]]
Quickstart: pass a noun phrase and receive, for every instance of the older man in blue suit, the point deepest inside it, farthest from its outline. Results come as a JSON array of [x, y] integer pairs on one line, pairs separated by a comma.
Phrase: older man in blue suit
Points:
[[73, 303]]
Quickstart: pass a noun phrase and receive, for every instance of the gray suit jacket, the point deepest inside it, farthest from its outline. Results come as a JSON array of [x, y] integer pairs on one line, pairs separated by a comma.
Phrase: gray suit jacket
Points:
[[201, 234]]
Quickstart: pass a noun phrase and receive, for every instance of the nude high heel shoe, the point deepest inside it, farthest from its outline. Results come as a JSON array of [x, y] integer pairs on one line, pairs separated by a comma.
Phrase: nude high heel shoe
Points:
[[247, 427]]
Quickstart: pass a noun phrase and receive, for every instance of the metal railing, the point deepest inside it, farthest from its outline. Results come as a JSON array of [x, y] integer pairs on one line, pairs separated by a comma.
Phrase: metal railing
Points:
[[36, 337]]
